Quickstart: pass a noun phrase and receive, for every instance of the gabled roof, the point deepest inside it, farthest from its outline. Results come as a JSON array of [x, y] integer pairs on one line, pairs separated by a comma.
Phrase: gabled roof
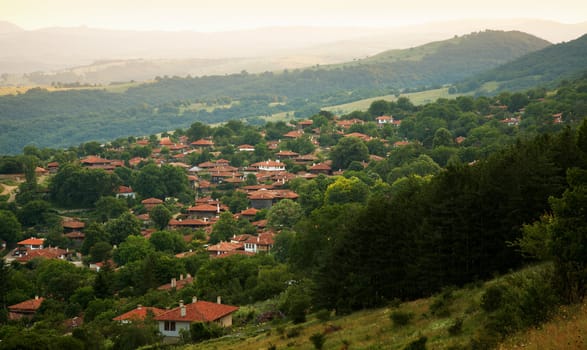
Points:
[[294, 134], [152, 201], [224, 247], [189, 222], [30, 305], [204, 208], [249, 212], [32, 241], [94, 160], [200, 311], [45, 253], [139, 314], [264, 238], [73, 224], [203, 142], [320, 166], [125, 189], [75, 235], [287, 154]]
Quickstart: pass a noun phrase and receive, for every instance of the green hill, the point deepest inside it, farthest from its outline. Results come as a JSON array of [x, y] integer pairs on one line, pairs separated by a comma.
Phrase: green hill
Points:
[[545, 67], [65, 118]]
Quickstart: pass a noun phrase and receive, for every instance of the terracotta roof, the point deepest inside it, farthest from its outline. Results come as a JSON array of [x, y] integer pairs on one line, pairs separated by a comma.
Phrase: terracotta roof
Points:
[[224, 247], [200, 311], [269, 163], [273, 194], [140, 313], [32, 241], [75, 235], [231, 253], [359, 136], [245, 147], [203, 142], [125, 189], [260, 223], [53, 164], [45, 253], [384, 117], [265, 238], [94, 160], [294, 134], [30, 305], [320, 166], [207, 165], [287, 154], [152, 201], [73, 224], [204, 208], [165, 142], [189, 222], [179, 284], [249, 212]]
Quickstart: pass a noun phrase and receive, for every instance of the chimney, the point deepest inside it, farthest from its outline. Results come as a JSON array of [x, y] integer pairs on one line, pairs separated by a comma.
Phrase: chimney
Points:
[[181, 277], [219, 300], [173, 283], [194, 299], [218, 207], [139, 307], [181, 309], [36, 297]]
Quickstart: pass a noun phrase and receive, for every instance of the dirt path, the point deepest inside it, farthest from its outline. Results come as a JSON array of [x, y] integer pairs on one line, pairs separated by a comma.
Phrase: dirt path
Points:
[[11, 190]]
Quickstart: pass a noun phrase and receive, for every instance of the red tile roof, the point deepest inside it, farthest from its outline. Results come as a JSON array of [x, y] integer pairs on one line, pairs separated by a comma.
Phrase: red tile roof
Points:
[[223, 247], [140, 313], [179, 284], [32, 241], [125, 189], [73, 224], [152, 201], [200, 311], [203, 142], [45, 253], [30, 305], [206, 208], [94, 160]]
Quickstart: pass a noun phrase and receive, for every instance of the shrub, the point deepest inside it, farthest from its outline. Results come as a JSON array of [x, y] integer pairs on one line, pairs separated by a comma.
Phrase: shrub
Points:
[[318, 340], [440, 307], [491, 299], [293, 332], [401, 318], [419, 344], [456, 327], [323, 315]]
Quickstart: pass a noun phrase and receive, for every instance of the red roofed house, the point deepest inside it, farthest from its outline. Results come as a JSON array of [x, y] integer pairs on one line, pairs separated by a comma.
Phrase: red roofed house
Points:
[[125, 192], [174, 320], [384, 119], [32, 243], [262, 243], [141, 313], [27, 308], [73, 225], [246, 148], [177, 285], [202, 143], [223, 248], [151, 203], [320, 168], [269, 165]]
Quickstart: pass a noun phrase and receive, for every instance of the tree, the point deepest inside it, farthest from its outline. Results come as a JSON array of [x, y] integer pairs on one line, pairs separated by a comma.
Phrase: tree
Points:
[[168, 241], [94, 233], [110, 208], [101, 251], [10, 230], [284, 214], [225, 228], [442, 137], [37, 212], [127, 224], [134, 248], [347, 150], [345, 190], [160, 216]]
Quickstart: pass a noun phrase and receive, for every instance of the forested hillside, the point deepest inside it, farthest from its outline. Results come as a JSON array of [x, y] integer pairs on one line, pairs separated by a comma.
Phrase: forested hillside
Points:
[[65, 118], [363, 210], [540, 68]]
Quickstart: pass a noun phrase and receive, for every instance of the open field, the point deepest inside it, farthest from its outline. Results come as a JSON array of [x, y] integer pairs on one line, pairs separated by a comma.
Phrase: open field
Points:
[[417, 98]]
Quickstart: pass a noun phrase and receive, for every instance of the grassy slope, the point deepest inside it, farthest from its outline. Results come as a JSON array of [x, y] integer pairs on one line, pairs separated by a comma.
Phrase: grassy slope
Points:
[[373, 329], [417, 98]]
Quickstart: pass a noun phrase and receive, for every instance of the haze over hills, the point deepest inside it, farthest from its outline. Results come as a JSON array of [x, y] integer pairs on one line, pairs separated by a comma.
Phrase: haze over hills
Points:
[[64, 118], [89, 55]]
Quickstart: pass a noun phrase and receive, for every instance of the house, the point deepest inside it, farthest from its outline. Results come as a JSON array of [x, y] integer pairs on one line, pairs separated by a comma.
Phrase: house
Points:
[[125, 192], [181, 317], [53, 167], [177, 284], [224, 247], [204, 211], [28, 245], [304, 124], [26, 309], [261, 243], [246, 148], [248, 213], [203, 143], [264, 199], [151, 203], [141, 313], [188, 223], [384, 119], [269, 165], [287, 155], [45, 253], [294, 134], [72, 226], [359, 136], [320, 168]]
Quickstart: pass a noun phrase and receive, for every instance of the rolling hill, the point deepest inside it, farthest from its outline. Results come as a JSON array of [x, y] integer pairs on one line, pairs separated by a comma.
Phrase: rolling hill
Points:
[[65, 118], [541, 68]]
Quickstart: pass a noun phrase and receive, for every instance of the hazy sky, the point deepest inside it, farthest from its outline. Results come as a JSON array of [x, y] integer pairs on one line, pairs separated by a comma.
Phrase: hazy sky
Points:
[[214, 15]]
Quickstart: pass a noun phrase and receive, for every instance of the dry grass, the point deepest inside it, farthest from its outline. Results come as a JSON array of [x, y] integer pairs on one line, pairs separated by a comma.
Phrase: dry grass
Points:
[[568, 330], [417, 98]]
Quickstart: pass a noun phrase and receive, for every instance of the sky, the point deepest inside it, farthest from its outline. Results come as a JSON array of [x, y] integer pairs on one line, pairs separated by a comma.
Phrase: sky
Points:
[[226, 15]]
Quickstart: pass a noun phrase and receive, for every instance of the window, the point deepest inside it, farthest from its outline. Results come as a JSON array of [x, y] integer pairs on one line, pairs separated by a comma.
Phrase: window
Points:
[[169, 326]]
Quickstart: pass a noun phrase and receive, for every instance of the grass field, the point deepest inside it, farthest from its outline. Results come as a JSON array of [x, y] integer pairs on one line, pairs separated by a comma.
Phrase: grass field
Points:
[[417, 98]]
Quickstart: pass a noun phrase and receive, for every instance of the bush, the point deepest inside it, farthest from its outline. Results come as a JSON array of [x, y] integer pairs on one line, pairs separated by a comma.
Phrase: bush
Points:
[[491, 299], [419, 344], [456, 327], [401, 318], [318, 340], [440, 307], [293, 332], [323, 315]]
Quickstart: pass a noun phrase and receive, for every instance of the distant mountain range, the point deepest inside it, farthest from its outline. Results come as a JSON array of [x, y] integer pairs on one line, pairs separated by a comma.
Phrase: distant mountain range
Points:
[[64, 118], [89, 55]]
